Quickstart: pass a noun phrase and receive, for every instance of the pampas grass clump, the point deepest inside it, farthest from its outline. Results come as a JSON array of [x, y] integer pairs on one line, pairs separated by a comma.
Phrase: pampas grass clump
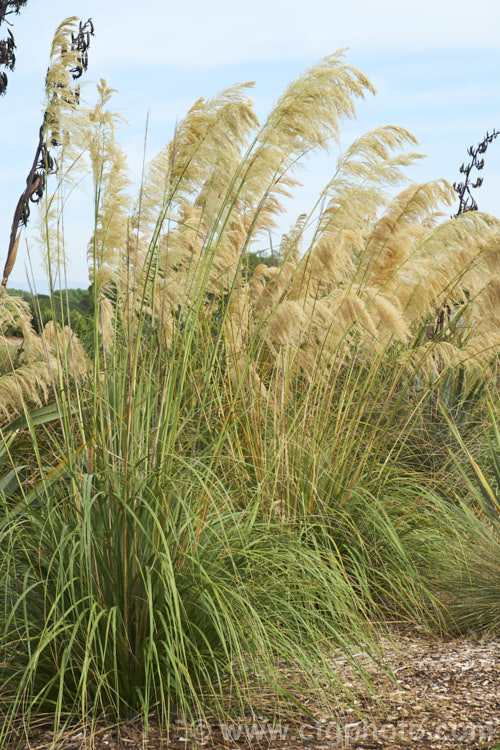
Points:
[[238, 472]]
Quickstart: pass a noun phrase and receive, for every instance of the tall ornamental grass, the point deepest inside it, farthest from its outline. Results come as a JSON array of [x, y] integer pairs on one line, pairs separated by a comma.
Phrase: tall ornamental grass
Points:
[[241, 471]]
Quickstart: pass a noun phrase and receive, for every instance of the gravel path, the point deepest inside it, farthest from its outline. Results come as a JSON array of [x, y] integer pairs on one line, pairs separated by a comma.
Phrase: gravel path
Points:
[[446, 695]]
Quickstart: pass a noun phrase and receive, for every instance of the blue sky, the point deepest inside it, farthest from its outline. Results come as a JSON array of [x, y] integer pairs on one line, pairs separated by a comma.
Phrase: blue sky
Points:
[[435, 65]]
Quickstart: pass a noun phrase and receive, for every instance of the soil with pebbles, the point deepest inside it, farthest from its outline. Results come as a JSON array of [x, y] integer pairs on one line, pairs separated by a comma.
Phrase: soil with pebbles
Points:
[[446, 695]]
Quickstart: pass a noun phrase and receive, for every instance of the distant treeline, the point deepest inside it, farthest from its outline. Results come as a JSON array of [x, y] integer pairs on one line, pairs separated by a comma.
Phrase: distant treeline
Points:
[[73, 307]]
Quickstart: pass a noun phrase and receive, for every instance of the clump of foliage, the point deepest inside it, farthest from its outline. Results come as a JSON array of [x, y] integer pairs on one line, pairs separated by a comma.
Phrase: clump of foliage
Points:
[[469, 578]]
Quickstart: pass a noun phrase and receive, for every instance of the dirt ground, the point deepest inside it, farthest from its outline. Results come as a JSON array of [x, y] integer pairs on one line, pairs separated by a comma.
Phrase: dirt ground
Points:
[[447, 695]]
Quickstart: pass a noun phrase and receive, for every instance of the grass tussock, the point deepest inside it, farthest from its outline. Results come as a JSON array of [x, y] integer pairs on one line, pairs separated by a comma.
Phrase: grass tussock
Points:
[[247, 464]]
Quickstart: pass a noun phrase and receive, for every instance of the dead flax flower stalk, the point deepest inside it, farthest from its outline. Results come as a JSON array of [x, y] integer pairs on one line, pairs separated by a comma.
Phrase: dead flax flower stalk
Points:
[[68, 62]]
